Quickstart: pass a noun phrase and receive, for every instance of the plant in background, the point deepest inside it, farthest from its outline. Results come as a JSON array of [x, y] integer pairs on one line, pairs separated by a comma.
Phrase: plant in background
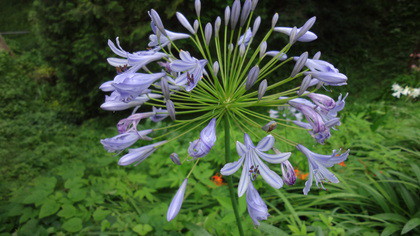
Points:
[[214, 83]]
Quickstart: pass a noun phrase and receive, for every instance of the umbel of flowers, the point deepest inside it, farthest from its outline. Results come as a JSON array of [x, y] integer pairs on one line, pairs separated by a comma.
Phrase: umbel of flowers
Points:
[[222, 75]]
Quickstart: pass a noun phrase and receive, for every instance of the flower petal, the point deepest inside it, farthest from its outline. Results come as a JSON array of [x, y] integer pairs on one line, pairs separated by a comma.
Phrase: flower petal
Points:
[[273, 158], [273, 179], [176, 202], [266, 143], [232, 167], [244, 180]]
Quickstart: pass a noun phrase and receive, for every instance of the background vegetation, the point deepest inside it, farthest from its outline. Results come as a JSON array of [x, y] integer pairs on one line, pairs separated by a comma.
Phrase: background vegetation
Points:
[[57, 179]]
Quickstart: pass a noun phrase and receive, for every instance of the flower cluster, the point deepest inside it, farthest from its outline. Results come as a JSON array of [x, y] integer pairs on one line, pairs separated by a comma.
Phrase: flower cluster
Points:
[[218, 79], [406, 91]]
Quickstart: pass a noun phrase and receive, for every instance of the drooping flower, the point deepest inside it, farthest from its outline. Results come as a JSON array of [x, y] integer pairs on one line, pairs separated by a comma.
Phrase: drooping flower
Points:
[[252, 164], [125, 140], [203, 145], [318, 166], [176, 202], [138, 155], [257, 208]]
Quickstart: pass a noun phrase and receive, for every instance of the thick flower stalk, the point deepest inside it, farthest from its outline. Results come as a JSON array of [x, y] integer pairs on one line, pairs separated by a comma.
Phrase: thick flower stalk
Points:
[[215, 83]]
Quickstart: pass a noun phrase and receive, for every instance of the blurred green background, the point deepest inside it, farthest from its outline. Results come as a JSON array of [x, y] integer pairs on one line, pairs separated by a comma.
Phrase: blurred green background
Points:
[[57, 178]]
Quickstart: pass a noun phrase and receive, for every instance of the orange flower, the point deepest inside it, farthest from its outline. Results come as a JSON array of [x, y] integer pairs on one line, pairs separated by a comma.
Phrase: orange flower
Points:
[[342, 163], [218, 180], [301, 175]]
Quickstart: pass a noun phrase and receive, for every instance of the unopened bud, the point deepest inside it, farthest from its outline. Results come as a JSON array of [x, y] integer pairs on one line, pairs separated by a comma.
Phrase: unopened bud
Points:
[[254, 4], [274, 20], [256, 26], [263, 48], [217, 24], [184, 22], [252, 77], [262, 89], [165, 88], [246, 9], [305, 84], [175, 158], [171, 109], [230, 47], [292, 38], [242, 50], [317, 56], [306, 27], [227, 15], [195, 26], [208, 32], [197, 6], [157, 21], [300, 63], [236, 10], [216, 68]]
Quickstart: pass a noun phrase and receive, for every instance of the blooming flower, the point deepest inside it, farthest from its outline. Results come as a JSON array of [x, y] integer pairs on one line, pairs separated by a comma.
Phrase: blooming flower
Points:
[[192, 69], [222, 81], [252, 164], [318, 166]]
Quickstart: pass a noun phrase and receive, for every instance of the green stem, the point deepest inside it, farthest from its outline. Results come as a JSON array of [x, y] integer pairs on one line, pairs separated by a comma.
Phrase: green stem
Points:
[[229, 178]]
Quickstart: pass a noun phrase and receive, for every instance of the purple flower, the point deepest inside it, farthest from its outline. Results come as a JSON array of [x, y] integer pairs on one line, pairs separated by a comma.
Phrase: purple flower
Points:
[[130, 123], [136, 59], [125, 140], [176, 202], [159, 114], [257, 209], [318, 166], [203, 145], [288, 173], [303, 34], [158, 40], [114, 102], [138, 155], [252, 164], [135, 84], [277, 54], [330, 78], [323, 101], [245, 38], [192, 69]]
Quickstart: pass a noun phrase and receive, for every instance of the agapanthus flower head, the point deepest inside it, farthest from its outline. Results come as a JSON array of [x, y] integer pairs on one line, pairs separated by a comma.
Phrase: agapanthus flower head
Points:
[[217, 80]]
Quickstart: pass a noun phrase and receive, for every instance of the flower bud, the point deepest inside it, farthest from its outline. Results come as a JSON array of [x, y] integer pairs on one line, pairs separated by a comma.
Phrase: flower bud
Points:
[[227, 15], [292, 37], [184, 22], [246, 9], [175, 159], [157, 21], [262, 89], [230, 47], [263, 48], [197, 6], [317, 56], [242, 50], [196, 24], [254, 4], [236, 10], [256, 26], [288, 173], [306, 27], [176, 202], [208, 32], [171, 109], [165, 88], [300, 63], [270, 126], [252, 77], [215, 68], [217, 24], [274, 20], [305, 84]]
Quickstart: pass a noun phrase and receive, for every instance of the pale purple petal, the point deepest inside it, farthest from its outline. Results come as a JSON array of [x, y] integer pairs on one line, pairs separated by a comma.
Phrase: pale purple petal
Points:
[[231, 168], [176, 202], [257, 209], [274, 158], [266, 143]]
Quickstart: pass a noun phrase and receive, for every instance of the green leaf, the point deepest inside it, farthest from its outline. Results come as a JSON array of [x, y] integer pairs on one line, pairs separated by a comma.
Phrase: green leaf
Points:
[[196, 229], [142, 229], [77, 194], [48, 208], [37, 196], [100, 214], [410, 225], [67, 211], [73, 225], [391, 217], [390, 229], [105, 225], [271, 230]]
